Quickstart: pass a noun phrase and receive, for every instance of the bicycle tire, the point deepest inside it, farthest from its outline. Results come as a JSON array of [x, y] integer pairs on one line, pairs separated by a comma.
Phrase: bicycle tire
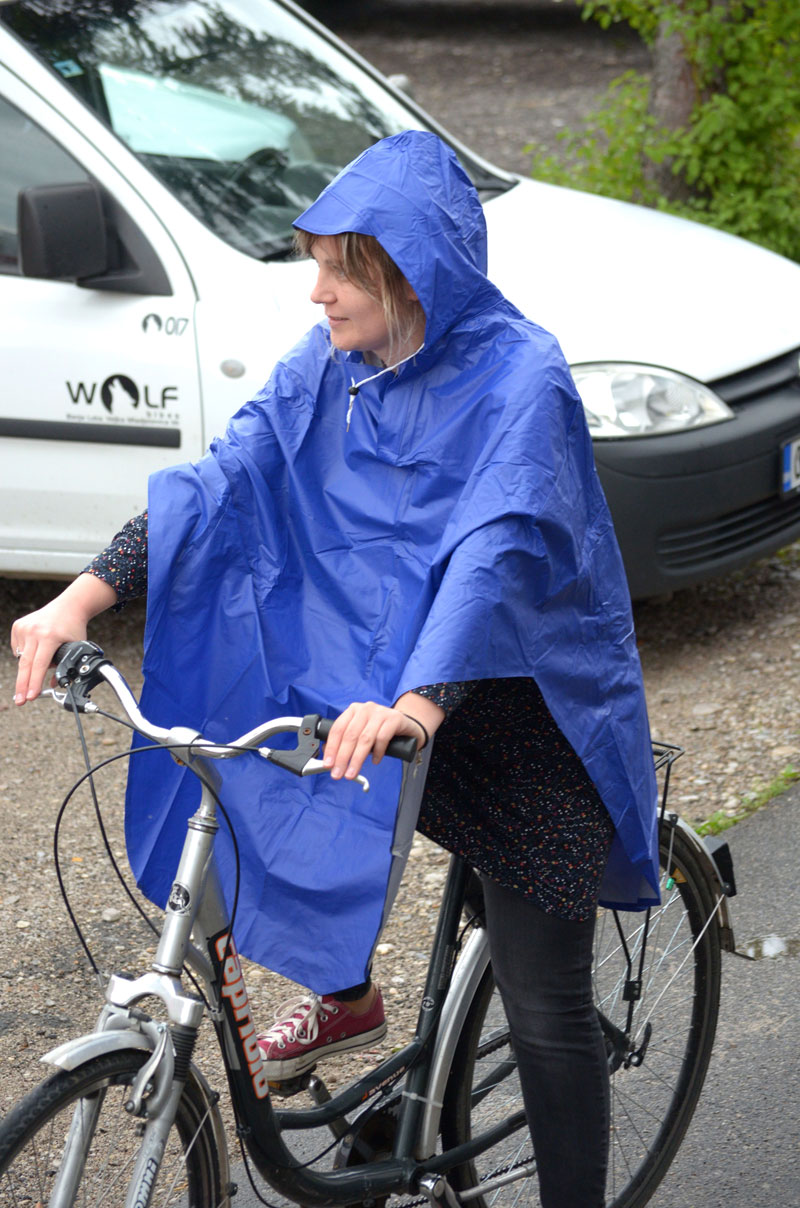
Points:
[[32, 1137], [652, 1103]]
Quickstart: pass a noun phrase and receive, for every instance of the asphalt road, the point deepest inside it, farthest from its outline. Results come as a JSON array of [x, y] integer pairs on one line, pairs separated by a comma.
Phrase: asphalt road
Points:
[[743, 1147]]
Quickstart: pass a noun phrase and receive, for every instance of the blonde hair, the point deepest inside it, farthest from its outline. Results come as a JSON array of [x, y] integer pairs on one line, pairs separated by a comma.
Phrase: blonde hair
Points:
[[367, 265]]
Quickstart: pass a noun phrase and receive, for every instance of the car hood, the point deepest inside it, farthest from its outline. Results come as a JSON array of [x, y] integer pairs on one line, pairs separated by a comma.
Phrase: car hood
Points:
[[616, 281]]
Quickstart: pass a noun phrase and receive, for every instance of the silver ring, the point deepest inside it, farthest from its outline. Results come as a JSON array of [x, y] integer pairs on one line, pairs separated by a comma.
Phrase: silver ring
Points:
[[17, 653]]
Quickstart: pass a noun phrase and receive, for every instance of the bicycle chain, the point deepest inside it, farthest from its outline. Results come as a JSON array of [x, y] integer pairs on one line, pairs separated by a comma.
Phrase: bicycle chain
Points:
[[487, 1047]]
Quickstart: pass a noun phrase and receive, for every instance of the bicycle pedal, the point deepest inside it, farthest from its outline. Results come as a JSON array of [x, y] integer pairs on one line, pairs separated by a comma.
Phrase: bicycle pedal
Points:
[[287, 1087]]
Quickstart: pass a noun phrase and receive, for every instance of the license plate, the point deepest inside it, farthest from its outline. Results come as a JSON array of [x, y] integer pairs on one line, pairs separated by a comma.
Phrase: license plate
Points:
[[790, 466]]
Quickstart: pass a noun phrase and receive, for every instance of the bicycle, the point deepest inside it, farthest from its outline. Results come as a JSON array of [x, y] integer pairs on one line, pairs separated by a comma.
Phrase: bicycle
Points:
[[128, 1118]]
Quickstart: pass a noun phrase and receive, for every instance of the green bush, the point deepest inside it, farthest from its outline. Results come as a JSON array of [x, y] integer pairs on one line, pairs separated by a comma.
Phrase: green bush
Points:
[[736, 163]]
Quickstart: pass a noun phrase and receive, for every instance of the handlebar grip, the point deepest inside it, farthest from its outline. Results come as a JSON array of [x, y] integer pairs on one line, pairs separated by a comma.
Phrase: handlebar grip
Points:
[[402, 747]]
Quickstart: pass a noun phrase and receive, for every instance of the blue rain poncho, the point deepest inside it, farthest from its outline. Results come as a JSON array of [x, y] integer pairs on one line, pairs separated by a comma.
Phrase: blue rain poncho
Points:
[[455, 531]]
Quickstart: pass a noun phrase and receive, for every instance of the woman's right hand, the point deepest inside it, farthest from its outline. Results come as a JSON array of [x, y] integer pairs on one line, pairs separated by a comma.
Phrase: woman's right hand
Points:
[[36, 637]]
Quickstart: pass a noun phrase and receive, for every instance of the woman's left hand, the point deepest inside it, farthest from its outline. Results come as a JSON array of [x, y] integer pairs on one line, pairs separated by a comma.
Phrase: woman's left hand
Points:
[[364, 727]]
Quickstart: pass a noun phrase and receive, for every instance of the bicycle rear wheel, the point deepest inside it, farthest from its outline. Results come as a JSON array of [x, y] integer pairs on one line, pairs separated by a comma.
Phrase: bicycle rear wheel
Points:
[[657, 1074], [33, 1135]]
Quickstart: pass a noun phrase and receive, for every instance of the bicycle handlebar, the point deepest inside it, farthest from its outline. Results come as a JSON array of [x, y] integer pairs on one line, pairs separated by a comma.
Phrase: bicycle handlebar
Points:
[[81, 666]]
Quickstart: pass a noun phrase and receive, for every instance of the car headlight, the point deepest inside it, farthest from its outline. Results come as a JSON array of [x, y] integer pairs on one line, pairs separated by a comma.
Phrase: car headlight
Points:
[[639, 400]]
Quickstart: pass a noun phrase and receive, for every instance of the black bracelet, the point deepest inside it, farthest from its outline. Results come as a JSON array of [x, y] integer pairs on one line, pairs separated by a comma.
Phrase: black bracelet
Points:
[[419, 723]]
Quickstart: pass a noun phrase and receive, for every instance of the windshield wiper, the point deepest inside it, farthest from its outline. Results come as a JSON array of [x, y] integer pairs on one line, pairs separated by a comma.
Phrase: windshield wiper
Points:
[[279, 250]]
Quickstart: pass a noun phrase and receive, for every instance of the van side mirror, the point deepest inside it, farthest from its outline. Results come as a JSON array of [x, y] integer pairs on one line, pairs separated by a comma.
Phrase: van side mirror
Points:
[[62, 231], [79, 232]]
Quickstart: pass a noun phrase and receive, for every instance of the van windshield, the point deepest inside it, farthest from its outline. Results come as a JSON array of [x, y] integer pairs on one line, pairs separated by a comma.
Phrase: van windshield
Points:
[[239, 107]]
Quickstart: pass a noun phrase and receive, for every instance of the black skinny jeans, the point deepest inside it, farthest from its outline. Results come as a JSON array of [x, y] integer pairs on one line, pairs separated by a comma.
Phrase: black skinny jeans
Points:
[[543, 969], [542, 966]]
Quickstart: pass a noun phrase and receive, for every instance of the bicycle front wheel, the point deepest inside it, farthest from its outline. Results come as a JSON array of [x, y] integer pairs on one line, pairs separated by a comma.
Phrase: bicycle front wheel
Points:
[[657, 1071], [89, 1103]]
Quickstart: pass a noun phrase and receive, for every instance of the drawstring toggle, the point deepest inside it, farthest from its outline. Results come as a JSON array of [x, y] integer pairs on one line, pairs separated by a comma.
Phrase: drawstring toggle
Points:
[[354, 386]]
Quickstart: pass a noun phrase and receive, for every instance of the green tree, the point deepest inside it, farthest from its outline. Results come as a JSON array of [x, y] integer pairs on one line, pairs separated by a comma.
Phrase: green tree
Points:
[[713, 132]]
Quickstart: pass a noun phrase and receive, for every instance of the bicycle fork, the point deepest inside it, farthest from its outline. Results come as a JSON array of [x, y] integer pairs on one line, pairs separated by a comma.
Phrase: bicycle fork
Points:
[[156, 1090]]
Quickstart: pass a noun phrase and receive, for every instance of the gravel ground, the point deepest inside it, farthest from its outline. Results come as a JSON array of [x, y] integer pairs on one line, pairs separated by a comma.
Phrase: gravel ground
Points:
[[498, 74], [720, 661]]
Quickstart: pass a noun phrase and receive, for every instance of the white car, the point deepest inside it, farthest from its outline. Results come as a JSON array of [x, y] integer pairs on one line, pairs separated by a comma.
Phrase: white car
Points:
[[152, 157]]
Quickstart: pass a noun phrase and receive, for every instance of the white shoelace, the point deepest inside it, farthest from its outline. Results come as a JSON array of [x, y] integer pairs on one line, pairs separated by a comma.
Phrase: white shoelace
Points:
[[303, 1013]]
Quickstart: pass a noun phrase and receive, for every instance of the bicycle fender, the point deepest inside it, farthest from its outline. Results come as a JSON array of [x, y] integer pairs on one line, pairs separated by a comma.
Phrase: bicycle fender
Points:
[[714, 877], [72, 1053], [466, 977]]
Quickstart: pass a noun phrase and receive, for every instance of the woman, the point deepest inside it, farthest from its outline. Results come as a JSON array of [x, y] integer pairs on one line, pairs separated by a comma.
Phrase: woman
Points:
[[406, 521]]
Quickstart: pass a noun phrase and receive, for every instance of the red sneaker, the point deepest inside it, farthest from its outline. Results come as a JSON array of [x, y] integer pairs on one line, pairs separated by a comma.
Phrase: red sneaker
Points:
[[318, 1027]]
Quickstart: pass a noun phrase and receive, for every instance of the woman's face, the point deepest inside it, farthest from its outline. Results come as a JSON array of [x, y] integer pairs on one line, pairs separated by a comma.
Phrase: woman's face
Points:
[[357, 321]]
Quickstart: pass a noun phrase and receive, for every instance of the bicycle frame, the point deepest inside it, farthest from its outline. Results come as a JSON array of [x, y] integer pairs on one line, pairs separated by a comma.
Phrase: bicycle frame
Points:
[[196, 908]]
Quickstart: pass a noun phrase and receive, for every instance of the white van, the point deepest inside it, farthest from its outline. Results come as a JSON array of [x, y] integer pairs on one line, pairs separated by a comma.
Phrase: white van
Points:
[[152, 156]]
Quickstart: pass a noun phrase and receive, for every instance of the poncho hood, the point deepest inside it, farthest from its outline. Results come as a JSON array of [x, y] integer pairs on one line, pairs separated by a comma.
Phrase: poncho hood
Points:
[[410, 193], [454, 530]]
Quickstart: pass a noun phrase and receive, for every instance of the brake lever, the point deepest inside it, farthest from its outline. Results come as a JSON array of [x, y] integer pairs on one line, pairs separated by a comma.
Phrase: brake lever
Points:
[[73, 702], [302, 760], [312, 766]]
